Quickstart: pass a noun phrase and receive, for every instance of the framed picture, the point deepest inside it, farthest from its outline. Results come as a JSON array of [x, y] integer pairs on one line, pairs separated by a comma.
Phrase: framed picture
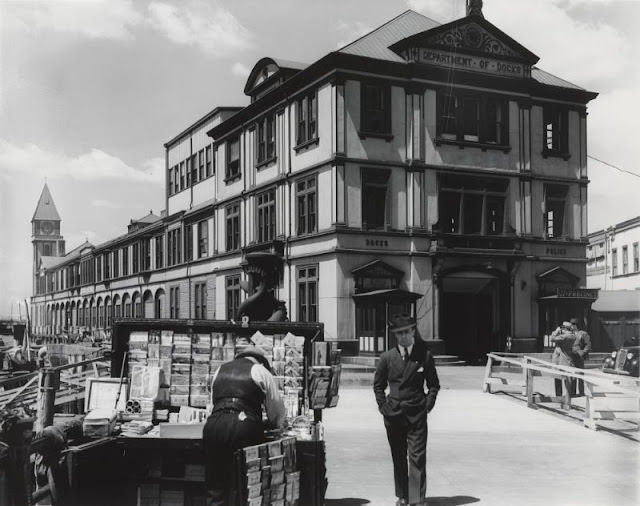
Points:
[[103, 392]]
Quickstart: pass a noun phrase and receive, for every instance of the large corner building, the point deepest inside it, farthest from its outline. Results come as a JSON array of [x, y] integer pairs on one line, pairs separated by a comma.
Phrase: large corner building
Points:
[[425, 167]]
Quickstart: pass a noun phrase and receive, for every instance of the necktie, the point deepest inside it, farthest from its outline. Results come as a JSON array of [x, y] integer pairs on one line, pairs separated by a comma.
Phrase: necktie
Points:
[[406, 353]]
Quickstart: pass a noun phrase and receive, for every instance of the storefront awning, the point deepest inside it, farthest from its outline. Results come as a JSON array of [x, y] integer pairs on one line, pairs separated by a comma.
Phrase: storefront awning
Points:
[[617, 301], [390, 294]]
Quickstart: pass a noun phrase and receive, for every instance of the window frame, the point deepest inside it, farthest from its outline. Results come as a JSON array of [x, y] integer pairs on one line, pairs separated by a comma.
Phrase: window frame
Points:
[[614, 261], [491, 130], [232, 295], [555, 200], [307, 284], [306, 125], [200, 300], [232, 170], [203, 238], [265, 140], [636, 257], [232, 226], [625, 259], [266, 222], [555, 131], [159, 253], [174, 302], [306, 219], [372, 179], [209, 161], [368, 127]]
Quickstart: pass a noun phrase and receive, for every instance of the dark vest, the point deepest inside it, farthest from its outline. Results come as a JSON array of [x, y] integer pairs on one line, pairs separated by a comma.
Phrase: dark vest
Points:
[[235, 389]]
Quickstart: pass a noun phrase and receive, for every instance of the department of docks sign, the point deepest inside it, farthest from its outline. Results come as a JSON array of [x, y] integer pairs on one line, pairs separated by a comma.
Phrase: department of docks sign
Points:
[[468, 62]]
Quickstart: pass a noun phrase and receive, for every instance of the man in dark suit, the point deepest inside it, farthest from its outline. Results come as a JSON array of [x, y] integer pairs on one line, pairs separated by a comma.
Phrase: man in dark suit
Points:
[[405, 369]]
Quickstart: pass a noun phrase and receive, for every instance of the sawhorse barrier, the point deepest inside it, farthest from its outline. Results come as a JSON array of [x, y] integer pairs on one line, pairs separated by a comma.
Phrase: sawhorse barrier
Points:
[[521, 371]]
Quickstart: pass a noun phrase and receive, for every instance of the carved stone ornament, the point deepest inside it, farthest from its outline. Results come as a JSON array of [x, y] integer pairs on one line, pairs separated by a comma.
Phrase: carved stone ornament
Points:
[[472, 37]]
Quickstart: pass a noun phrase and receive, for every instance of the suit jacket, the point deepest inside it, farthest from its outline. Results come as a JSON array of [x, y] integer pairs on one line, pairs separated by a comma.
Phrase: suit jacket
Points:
[[406, 382], [563, 351]]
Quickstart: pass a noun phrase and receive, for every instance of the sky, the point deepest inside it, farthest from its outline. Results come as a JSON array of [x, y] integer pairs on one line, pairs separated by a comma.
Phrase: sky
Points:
[[90, 90]]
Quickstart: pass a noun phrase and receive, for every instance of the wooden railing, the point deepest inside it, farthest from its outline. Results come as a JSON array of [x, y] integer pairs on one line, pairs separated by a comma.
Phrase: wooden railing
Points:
[[511, 370]]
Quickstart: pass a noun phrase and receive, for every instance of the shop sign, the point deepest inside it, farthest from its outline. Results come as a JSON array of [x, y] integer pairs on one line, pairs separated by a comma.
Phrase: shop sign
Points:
[[578, 293], [468, 62]]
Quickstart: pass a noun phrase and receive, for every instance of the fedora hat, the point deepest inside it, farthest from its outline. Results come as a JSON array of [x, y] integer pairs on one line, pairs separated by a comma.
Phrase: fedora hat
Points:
[[401, 321]]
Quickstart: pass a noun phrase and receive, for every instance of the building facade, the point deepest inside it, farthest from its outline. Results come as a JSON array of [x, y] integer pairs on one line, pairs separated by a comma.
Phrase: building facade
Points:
[[425, 168]]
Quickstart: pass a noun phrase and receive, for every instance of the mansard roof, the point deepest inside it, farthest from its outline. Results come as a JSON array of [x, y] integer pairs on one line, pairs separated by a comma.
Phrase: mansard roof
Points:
[[46, 208]]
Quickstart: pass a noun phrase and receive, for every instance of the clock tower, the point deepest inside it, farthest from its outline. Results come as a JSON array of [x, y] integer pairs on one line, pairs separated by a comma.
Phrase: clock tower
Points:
[[45, 233]]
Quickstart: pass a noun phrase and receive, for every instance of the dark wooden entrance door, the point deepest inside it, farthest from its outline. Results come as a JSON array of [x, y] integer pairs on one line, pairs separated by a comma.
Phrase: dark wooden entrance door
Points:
[[371, 327]]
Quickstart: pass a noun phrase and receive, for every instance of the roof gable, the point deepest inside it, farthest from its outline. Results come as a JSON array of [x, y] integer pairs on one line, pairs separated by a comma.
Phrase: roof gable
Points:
[[471, 43], [46, 208], [268, 73]]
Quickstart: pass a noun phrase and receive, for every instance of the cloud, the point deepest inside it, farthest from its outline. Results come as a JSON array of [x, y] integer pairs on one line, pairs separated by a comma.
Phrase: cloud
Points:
[[439, 10], [95, 165], [211, 28], [108, 19], [351, 31], [104, 203], [241, 70]]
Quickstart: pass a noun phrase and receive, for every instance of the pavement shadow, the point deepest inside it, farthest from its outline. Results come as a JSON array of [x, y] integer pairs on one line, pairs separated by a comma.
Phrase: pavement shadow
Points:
[[456, 500], [346, 501]]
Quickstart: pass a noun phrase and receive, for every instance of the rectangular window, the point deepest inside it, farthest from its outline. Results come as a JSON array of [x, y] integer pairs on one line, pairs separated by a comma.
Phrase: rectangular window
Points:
[[614, 262], [306, 202], [135, 257], [188, 243], [375, 109], [159, 252], [125, 261], [208, 161], [201, 174], [555, 135], [625, 260], [188, 171], [107, 266], [203, 239], [555, 201], [232, 218], [194, 169], [232, 292], [116, 264], [145, 254], [171, 190], [471, 205], [471, 118], [266, 139], [266, 216], [174, 302], [307, 118], [99, 268], [200, 301], [176, 179], [375, 206], [636, 258], [233, 158], [174, 247], [308, 294], [182, 177]]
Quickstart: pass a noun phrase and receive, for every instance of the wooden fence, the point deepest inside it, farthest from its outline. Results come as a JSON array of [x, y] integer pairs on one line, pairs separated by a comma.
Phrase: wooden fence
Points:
[[510, 370]]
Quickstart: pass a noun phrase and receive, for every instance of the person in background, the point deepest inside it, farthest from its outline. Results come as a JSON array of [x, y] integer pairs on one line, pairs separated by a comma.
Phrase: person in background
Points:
[[239, 390], [563, 338], [405, 369], [581, 349]]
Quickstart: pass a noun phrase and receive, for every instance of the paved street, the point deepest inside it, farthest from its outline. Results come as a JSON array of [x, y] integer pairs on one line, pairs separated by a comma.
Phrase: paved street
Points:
[[482, 449]]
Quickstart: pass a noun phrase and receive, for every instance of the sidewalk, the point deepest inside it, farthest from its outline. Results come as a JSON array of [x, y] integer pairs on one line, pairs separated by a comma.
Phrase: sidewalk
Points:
[[483, 449]]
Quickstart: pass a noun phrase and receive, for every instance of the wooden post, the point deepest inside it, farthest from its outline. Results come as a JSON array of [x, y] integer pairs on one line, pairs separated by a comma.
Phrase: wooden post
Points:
[[48, 384], [589, 420], [529, 387], [486, 387], [19, 473], [566, 395], [526, 379]]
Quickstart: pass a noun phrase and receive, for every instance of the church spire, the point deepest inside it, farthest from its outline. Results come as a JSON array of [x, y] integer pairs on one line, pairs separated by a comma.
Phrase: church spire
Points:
[[474, 8], [46, 208]]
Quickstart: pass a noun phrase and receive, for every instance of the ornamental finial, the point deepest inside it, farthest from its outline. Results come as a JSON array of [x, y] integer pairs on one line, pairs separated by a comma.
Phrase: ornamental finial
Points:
[[474, 8]]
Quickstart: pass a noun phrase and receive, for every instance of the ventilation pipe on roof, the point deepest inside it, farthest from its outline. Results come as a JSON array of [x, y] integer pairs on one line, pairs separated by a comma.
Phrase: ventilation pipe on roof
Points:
[[474, 8]]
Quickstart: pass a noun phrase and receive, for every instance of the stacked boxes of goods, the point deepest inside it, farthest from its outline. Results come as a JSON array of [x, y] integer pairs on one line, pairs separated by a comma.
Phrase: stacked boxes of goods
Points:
[[293, 372], [200, 356], [138, 345], [217, 351], [180, 370], [165, 352], [271, 476]]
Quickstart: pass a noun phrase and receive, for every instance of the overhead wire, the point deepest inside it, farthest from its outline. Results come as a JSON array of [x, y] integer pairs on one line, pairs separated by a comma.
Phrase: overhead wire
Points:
[[613, 166]]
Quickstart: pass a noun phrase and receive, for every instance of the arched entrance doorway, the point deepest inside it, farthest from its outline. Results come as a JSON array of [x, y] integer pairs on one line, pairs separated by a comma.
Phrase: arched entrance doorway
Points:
[[475, 313]]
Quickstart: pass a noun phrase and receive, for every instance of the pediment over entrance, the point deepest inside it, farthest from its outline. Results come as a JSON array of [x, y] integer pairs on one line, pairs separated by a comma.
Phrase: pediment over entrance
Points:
[[550, 281], [376, 275], [472, 44]]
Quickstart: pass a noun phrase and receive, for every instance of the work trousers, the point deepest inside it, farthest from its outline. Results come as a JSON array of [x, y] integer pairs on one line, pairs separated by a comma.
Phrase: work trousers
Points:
[[225, 432], [408, 443]]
